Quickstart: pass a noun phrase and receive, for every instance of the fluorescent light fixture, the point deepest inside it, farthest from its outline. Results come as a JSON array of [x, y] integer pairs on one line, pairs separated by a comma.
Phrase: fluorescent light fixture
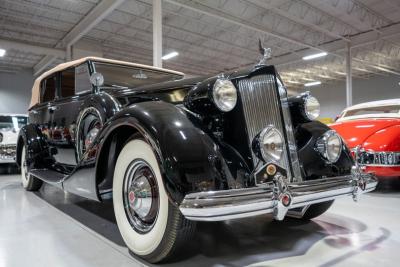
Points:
[[340, 73], [170, 55], [2, 52], [322, 54], [312, 83], [291, 81]]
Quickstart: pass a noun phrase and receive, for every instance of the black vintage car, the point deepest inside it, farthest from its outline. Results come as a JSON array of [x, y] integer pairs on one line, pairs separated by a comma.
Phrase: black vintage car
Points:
[[172, 151]]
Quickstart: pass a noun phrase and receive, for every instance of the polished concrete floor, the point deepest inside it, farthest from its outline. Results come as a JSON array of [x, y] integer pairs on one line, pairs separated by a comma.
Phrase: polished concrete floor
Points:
[[52, 228]]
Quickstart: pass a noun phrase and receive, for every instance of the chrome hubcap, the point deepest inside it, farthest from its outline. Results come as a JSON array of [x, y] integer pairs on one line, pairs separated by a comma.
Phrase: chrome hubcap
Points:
[[141, 200]]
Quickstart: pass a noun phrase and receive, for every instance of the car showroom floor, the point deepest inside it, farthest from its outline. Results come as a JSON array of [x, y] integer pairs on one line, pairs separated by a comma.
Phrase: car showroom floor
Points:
[[51, 228]]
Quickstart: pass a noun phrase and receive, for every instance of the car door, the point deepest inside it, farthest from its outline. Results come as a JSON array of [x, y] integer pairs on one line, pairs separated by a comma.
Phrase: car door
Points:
[[74, 88], [41, 114]]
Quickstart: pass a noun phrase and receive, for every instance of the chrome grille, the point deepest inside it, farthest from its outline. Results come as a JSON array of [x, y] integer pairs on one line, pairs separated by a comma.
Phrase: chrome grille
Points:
[[261, 106]]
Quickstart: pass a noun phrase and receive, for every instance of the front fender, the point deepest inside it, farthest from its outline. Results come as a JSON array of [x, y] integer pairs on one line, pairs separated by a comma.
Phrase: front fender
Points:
[[313, 165], [35, 142], [189, 159], [387, 139]]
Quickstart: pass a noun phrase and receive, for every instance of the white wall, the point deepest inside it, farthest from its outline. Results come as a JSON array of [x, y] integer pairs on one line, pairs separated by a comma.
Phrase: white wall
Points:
[[15, 91], [333, 96]]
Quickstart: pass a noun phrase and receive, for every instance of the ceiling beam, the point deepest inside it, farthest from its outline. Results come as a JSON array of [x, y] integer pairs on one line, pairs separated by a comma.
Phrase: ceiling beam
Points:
[[204, 9], [34, 49], [338, 46], [89, 21], [289, 12]]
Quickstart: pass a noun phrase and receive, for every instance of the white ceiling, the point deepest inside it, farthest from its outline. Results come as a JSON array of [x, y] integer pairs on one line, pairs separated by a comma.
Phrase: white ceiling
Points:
[[212, 36]]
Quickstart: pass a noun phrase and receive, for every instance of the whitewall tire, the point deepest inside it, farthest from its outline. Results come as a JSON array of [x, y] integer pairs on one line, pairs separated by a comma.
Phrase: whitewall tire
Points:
[[150, 225], [29, 182]]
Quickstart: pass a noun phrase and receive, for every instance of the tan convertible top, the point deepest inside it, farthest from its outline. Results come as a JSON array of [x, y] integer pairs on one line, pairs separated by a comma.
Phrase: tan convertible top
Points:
[[36, 85]]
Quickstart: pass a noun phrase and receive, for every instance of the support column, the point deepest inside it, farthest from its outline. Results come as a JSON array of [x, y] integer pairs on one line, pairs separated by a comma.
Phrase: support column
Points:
[[157, 33], [68, 54], [349, 81]]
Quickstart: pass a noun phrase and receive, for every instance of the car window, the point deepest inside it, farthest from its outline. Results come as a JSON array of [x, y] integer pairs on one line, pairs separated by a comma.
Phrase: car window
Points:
[[68, 82], [82, 79], [6, 123], [48, 91], [12, 122], [21, 121], [373, 110]]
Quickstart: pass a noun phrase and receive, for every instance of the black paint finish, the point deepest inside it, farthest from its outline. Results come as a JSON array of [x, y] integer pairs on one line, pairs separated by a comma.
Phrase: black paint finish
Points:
[[198, 147]]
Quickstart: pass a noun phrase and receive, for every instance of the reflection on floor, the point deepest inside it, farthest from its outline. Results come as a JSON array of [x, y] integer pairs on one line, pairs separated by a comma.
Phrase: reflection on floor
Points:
[[52, 228]]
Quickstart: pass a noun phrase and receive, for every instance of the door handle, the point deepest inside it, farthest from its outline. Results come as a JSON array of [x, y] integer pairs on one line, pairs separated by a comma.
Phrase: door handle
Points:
[[52, 108]]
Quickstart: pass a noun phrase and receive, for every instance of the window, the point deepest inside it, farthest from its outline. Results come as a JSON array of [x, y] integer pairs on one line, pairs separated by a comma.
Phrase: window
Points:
[[48, 89], [68, 82], [82, 79], [11, 122]]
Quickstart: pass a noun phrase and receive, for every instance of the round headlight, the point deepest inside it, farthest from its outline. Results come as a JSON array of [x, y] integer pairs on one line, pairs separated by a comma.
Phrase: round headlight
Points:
[[224, 95], [271, 144], [329, 146], [311, 107]]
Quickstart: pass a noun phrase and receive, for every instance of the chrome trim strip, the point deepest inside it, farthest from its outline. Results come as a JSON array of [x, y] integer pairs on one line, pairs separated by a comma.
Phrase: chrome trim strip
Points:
[[376, 158], [240, 203]]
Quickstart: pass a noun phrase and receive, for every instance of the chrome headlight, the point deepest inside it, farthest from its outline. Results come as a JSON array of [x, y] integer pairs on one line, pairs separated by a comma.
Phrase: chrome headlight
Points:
[[224, 95], [329, 145], [271, 144], [311, 107]]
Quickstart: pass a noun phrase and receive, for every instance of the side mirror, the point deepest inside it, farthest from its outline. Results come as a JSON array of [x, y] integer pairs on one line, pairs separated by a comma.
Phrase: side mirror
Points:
[[97, 79]]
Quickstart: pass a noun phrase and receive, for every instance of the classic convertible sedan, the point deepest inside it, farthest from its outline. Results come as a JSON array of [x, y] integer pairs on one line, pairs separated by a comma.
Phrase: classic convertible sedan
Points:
[[9, 128], [373, 128], [171, 151]]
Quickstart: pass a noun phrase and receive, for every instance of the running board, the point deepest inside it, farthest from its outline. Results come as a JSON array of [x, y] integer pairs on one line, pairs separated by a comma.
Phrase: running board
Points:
[[48, 176]]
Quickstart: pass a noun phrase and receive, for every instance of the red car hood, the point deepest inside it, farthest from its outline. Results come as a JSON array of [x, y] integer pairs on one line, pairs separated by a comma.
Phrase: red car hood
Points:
[[355, 132]]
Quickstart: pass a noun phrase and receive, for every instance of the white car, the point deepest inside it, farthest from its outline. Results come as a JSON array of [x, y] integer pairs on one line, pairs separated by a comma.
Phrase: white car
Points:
[[9, 128]]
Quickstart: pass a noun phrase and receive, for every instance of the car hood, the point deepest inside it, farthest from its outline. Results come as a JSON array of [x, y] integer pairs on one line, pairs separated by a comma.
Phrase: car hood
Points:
[[356, 132], [9, 138]]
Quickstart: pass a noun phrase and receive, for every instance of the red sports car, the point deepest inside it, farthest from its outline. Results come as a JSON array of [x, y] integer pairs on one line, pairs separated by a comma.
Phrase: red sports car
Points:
[[374, 127]]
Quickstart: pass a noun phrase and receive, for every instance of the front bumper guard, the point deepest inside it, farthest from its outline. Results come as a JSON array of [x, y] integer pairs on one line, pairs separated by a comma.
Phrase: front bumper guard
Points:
[[277, 197]]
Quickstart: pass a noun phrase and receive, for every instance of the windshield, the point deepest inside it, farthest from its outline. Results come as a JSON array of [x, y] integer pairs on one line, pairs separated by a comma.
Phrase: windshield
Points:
[[12, 122], [392, 109], [121, 77]]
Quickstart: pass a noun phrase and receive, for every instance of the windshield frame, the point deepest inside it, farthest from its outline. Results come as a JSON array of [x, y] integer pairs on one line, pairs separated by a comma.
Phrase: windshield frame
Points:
[[172, 76], [353, 112]]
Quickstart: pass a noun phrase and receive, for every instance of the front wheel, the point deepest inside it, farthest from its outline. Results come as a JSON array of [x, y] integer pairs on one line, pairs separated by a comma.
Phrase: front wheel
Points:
[[150, 225], [29, 182]]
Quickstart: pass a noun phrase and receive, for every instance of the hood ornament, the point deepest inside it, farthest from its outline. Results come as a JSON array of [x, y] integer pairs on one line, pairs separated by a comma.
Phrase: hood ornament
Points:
[[265, 53]]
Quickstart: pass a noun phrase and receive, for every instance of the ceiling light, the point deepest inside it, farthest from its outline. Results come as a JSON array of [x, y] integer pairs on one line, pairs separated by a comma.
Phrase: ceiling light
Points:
[[322, 54], [291, 81], [312, 83], [2, 52], [170, 55], [340, 73], [360, 69]]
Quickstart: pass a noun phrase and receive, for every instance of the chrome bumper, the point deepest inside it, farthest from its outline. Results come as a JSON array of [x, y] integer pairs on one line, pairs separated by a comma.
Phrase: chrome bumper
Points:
[[277, 198], [8, 153]]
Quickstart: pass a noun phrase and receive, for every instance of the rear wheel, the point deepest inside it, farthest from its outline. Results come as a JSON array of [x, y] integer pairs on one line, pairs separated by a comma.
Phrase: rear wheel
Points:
[[29, 182], [150, 225]]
